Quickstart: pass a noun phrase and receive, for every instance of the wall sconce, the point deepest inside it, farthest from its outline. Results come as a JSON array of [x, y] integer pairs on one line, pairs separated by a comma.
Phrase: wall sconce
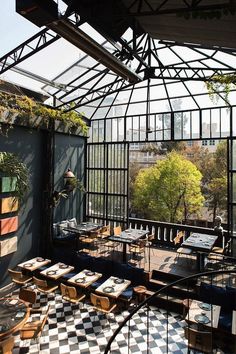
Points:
[[70, 183]]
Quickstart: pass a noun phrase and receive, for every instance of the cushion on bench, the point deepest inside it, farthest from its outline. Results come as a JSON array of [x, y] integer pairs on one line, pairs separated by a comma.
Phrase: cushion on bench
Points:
[[127, 294], [216, 295], [225, 321]]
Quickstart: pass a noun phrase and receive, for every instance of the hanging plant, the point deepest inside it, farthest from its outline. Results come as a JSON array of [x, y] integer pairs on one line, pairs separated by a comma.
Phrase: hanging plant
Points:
[[219, 83], [71, 185], [11, 166]]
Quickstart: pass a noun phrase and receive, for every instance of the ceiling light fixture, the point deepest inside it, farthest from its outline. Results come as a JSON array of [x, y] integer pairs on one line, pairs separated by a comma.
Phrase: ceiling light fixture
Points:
[[81, 40], [45, 13]]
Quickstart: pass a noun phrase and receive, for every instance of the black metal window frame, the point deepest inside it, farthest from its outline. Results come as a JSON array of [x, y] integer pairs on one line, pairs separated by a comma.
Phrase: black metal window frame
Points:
[[168, 130], [107, 191]]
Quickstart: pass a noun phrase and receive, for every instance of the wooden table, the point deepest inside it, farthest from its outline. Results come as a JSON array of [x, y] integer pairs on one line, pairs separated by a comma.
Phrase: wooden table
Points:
[[213, 314], [127, 237], [83, 228], [57, 270], [13, 314], [202, 244], [84, 278], [140, 292], [34, 263], [110, 284]]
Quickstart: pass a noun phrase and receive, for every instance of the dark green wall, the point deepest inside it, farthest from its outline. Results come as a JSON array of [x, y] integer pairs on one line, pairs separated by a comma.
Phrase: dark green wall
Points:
[[69, 153], [29, 146]]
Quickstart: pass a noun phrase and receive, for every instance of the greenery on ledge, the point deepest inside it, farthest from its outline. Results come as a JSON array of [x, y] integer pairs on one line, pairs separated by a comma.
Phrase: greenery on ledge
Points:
[[11, 166], [26, 108]]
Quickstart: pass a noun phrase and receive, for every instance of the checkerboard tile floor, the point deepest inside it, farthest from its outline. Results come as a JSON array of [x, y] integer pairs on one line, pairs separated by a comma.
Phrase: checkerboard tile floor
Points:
[[80, 329]]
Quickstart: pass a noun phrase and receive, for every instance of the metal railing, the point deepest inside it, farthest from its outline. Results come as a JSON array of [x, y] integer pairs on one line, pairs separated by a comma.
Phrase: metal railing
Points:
[[167, 294], [164, 232]]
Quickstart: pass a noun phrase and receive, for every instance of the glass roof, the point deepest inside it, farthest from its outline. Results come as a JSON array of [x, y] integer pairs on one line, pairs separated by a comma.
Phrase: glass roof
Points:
[[172, 75]]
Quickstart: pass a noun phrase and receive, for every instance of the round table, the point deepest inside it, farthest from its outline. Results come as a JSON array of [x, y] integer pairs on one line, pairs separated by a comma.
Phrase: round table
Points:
[[140, 292], [13, 314]]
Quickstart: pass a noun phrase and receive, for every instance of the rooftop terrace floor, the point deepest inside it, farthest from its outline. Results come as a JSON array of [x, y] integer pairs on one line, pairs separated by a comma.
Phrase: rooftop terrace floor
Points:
[[161, 258]]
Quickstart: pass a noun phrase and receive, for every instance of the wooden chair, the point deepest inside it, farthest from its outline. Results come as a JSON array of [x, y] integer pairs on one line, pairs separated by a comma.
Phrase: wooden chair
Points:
[[112, 244], [199, 340], [43, 286], [218, 253], [181, 250], [104, 232], [69, 293], [6, 345], [102, 235], [34, 329], [19, 278], [29, 296], [102, 303], [138, 249]]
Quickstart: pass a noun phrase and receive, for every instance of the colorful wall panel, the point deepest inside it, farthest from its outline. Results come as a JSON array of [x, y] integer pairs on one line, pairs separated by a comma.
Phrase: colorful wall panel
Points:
[[8, 246], [8, 184], [8, 205], [8, 225]]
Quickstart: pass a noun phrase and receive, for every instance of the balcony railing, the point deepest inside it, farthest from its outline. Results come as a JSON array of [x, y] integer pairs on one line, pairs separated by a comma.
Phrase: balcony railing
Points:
[[165, 232]]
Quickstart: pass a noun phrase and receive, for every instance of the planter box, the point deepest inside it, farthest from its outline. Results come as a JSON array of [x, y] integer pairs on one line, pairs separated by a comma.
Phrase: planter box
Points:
[[37, 122], [8, 246], [8, 184], [8, 205], [8, 225]]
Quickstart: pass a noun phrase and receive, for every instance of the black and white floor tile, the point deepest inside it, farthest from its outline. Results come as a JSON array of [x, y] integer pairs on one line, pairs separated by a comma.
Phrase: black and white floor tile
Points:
[[80, 329]]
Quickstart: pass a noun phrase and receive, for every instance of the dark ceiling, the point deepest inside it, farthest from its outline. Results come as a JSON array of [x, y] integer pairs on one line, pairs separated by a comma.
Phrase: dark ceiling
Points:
[[206, 22]]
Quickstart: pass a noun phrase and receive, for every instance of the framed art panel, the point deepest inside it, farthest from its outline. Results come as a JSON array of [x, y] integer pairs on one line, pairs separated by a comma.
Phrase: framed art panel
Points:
[[8, 205], [8, 225]]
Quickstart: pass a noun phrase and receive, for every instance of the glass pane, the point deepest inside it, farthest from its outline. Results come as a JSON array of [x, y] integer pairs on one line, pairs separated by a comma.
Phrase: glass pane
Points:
[[234, 154], [234, 188]]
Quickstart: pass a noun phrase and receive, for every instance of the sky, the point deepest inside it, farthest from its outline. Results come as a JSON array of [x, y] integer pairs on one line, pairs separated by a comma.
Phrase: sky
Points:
[[49, 62], [14, 30]]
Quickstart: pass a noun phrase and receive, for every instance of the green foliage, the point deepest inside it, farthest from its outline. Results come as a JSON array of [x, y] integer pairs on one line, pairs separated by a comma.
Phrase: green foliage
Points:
[[219, 83], [11, 166], [152, 148], [170, 190], [168, 146], [26, 108], [72, 184], [213, 167], [216, 189], [217, 196]]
